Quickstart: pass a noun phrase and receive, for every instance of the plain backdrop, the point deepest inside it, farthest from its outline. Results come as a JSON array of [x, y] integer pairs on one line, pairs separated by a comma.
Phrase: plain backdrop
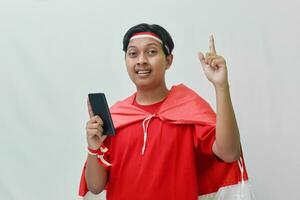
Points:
[[54, 52]]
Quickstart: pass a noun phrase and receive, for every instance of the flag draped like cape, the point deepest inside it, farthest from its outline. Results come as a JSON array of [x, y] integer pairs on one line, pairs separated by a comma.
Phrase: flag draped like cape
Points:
[[182, 106]]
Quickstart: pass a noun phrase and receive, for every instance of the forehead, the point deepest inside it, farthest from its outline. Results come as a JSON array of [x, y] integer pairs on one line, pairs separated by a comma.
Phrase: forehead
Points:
[[143, 42]]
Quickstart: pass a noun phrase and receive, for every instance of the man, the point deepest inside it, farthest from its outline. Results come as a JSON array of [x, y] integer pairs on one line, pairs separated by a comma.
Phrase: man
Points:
[[169, 142]]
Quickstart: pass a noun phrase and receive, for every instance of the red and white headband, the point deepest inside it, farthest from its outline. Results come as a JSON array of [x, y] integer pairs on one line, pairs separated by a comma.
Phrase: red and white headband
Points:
[[149, 35]]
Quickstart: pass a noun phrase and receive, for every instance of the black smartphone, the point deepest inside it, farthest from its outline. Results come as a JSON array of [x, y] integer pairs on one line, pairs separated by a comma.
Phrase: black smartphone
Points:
[[100, 108]]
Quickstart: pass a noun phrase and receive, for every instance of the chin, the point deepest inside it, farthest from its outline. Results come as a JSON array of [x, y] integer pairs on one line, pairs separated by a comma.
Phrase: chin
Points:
[[144, 84]]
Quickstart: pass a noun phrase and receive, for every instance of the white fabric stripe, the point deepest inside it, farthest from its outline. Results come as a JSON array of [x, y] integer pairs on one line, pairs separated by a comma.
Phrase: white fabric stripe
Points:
[[231, 192], [90, 196], [241, 166], [145, 36]]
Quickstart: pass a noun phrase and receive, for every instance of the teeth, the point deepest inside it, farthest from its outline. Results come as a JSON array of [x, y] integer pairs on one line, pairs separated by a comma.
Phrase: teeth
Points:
[[143, 72]]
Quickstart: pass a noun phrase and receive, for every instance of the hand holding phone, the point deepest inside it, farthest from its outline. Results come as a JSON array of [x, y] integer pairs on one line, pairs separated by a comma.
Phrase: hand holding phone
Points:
[[100, 107]]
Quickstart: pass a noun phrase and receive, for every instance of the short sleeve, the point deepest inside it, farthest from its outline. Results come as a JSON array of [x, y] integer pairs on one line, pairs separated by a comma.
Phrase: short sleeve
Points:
[[204, 138]]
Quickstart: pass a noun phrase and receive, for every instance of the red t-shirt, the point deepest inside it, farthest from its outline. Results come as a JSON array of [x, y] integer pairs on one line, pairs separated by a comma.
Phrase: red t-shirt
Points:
[[168, 167]]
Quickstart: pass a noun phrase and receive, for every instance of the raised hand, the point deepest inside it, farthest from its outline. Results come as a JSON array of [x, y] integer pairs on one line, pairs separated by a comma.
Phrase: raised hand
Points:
[[214, 66]]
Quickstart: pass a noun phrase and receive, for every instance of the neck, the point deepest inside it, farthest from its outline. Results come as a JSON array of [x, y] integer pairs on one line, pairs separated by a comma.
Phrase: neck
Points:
[[151, 96]]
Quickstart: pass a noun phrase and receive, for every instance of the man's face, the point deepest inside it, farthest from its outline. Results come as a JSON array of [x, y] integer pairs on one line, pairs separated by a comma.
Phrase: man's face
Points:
[[146, 63]]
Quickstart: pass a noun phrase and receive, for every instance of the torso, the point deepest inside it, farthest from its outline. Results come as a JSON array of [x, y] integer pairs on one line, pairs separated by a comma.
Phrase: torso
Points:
[[167, 170]]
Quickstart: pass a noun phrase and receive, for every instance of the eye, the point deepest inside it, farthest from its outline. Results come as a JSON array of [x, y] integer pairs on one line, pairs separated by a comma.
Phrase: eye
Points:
[[152, 52], [132, 54]]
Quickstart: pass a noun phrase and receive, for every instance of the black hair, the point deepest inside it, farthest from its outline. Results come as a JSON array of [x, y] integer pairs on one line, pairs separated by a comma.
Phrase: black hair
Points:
[[153, 28]]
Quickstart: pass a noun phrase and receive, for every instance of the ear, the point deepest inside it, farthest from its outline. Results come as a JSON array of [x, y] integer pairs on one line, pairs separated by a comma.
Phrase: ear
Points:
[[169, 61]]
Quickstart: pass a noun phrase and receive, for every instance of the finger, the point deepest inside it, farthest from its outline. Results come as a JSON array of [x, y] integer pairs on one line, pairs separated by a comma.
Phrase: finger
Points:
[[201, 58], [210, 59], [218, 62], [214, 63], [94, 126], [94, 132], [96, 119], [98, 130], [207, 55], [212, 48], [99, 120], [91, 114]]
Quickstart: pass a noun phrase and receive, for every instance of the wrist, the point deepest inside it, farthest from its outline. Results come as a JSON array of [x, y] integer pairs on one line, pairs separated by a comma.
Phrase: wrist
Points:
[[99, 154], [93, 152], [93, 147], [222, 87]]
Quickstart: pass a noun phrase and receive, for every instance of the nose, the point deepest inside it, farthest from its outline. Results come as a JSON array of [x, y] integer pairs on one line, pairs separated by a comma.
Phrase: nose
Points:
[[142, 59]]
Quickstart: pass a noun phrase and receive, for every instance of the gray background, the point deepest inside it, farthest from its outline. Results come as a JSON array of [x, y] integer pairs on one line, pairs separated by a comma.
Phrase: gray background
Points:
[[52, 53]]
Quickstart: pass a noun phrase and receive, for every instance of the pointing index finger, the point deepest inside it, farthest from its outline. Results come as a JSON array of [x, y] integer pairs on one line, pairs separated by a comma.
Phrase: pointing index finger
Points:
[[212, 45]]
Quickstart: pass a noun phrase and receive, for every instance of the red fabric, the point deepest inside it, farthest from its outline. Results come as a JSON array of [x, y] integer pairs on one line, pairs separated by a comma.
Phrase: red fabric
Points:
[[182, 106], [93, 150], [149, 108], [178, 162], [167, 169]]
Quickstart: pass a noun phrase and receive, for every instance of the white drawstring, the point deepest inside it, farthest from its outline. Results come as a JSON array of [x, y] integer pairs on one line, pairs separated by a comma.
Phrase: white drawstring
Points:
[[145, 128]]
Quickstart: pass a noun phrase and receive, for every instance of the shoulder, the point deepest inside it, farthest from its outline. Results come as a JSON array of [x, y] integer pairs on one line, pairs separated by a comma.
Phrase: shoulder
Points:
[[127, 101], [186, 94]]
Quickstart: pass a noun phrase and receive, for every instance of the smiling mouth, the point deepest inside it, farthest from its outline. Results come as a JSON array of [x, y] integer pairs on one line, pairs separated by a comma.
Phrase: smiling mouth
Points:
[[143, 72]]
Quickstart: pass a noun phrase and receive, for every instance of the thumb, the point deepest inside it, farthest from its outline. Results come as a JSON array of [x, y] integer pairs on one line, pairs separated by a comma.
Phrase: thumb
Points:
[[201, 58], [91, 114]]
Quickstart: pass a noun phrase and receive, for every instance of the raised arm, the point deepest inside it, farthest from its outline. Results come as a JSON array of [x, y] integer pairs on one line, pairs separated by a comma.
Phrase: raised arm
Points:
[[227, 144]]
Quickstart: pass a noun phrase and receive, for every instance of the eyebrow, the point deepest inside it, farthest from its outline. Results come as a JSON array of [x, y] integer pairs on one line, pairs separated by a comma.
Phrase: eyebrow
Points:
[[152, 43]]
